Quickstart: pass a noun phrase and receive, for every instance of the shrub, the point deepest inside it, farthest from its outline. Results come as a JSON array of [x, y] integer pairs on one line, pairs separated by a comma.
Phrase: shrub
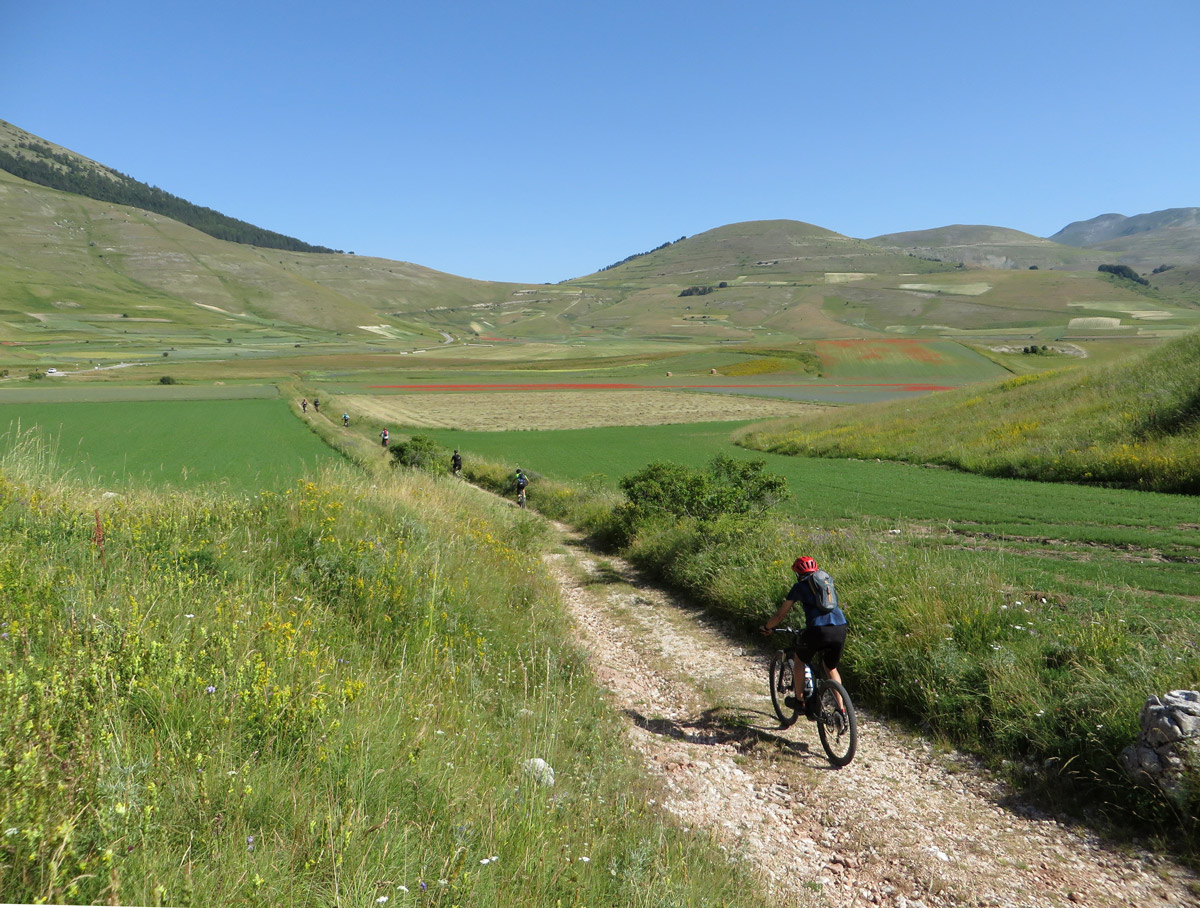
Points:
[[166, 380], [420, 451], [725, 487]]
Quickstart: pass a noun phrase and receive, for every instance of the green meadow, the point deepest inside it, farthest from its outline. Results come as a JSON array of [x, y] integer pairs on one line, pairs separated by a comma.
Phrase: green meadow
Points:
[[1055, 534], [244, 445]]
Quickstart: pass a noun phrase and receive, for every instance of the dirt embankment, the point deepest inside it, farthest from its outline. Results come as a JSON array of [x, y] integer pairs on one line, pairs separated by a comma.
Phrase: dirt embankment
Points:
[[905, 825]]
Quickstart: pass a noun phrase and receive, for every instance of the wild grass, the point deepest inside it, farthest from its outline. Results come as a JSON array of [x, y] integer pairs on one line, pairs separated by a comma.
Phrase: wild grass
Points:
[[322, 695], [1132, 424]]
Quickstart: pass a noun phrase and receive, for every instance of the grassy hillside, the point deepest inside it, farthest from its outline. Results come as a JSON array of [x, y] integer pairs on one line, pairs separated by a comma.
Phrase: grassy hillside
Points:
[[30, 158], [323, 696], [63, 254], [991, 247], [97, 283], [758, 251], [1134, 423]]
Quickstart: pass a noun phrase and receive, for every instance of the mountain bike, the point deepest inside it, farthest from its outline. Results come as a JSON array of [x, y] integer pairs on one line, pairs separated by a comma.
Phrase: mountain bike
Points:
[[828, 703]]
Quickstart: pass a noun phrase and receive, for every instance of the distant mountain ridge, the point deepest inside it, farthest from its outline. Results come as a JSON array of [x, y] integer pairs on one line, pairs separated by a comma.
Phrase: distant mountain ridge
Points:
[[1107, 227], [1144, 241]]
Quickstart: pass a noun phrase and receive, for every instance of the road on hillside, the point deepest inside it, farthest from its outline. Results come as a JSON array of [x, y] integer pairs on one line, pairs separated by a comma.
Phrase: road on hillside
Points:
[[905, 825]]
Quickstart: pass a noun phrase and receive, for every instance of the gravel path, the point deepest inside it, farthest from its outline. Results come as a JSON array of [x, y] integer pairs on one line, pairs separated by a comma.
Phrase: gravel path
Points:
[[904, 825]]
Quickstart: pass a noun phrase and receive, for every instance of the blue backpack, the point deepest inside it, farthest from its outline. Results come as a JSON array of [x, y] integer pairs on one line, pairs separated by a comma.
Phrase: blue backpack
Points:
[[822, 586]]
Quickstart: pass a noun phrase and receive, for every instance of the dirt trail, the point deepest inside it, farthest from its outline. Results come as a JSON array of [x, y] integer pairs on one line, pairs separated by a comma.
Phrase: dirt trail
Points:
[[904, 825]]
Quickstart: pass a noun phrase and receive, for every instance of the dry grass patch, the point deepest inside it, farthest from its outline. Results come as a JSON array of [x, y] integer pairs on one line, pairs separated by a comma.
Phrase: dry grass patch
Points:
[[499, 411]]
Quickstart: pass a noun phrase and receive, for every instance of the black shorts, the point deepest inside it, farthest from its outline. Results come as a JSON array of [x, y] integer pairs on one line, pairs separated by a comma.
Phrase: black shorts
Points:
[[827, 639]]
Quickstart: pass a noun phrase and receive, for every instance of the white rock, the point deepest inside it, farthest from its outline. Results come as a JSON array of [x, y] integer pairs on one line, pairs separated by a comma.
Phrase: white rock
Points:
[[541, 771]]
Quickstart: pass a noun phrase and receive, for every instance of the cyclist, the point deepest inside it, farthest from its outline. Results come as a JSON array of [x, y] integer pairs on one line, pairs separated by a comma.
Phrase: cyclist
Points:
[[346, 419], [522, 482], [383, 437], [456, 462], [824, 630]]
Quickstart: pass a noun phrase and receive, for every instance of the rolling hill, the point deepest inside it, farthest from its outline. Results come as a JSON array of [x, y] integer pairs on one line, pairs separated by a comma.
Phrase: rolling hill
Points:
[[1167, 237], [1145, 241], [991, 247], [81, 270]]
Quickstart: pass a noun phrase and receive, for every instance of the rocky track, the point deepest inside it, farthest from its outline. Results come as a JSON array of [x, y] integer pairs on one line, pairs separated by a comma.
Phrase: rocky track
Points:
[[905, 825]]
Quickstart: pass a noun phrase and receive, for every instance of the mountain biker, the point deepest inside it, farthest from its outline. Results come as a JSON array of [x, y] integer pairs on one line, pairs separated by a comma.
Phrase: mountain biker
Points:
[[825, 625], [522, 482], [456, 462]]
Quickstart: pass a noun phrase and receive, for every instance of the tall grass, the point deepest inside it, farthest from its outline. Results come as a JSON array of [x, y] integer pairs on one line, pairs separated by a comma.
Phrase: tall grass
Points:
[[326, 695], [1132, 424]]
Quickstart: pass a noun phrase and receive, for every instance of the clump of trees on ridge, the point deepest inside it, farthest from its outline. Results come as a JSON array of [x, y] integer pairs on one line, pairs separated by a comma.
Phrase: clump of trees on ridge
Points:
[[71, 174], [1124, 271]]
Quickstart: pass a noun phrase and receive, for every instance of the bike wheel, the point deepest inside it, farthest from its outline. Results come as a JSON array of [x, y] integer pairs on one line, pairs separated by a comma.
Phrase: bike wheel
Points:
[[782, 669], [838, 729]]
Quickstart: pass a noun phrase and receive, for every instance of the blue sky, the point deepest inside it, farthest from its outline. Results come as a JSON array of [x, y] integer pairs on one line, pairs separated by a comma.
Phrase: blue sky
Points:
[[532, 141]]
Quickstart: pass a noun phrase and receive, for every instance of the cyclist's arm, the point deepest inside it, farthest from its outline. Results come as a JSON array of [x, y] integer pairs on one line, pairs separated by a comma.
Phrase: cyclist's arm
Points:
[[777, 619]]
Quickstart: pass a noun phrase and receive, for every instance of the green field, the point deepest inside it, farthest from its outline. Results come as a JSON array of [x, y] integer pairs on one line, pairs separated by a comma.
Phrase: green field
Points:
[[1058, 535], [245, 445]]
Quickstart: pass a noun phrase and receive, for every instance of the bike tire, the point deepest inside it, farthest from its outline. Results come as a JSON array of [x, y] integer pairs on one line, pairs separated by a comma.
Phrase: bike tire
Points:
[[780, 682], [839, 734]]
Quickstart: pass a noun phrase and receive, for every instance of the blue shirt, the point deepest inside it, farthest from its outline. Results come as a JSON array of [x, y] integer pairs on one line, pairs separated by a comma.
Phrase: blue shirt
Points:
[[814, 614]]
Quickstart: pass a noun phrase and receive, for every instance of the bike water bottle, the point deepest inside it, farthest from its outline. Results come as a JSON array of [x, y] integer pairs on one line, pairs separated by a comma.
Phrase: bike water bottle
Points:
[[808, 682]]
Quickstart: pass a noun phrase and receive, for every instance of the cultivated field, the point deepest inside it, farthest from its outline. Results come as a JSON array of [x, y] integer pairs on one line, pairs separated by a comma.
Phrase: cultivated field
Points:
[[242, 445], [502, 410]]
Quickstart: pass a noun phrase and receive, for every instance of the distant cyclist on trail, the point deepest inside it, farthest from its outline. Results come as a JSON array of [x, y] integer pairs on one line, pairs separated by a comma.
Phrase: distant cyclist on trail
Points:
[[383, 437], [346, 419], [825, 625], [456, 463], [522, 481]]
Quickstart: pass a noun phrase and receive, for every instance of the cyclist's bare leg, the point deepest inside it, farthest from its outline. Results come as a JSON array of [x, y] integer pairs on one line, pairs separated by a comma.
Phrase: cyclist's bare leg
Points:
[[835, 675]]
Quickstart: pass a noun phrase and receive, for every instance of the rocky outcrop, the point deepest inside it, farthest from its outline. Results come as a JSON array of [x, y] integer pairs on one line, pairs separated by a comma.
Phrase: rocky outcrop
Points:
[[1167, 752]]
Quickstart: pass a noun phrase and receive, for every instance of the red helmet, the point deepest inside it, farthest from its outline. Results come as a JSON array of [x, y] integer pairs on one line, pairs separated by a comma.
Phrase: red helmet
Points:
[[804, 565]]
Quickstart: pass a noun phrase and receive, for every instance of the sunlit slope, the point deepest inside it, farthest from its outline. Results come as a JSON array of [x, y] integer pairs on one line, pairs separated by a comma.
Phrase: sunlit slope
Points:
[[1035, 305], [66, 254], [1134, 423], [759, 251], [990, 247], [790, 280], [1145, 241]]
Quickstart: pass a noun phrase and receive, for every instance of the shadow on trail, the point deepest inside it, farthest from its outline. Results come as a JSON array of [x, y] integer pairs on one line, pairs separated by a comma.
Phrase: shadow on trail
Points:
[[745, 729]]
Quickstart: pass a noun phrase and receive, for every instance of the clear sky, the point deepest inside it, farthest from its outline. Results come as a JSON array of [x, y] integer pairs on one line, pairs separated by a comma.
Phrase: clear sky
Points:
[[538, 141]]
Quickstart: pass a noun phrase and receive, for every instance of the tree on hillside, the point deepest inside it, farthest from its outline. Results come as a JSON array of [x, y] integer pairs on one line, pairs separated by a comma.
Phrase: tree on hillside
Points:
[[1124, 271]]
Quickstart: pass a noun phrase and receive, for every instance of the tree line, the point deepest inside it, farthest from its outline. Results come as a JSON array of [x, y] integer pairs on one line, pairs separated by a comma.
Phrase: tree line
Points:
[[70, 174], [638, 255]]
